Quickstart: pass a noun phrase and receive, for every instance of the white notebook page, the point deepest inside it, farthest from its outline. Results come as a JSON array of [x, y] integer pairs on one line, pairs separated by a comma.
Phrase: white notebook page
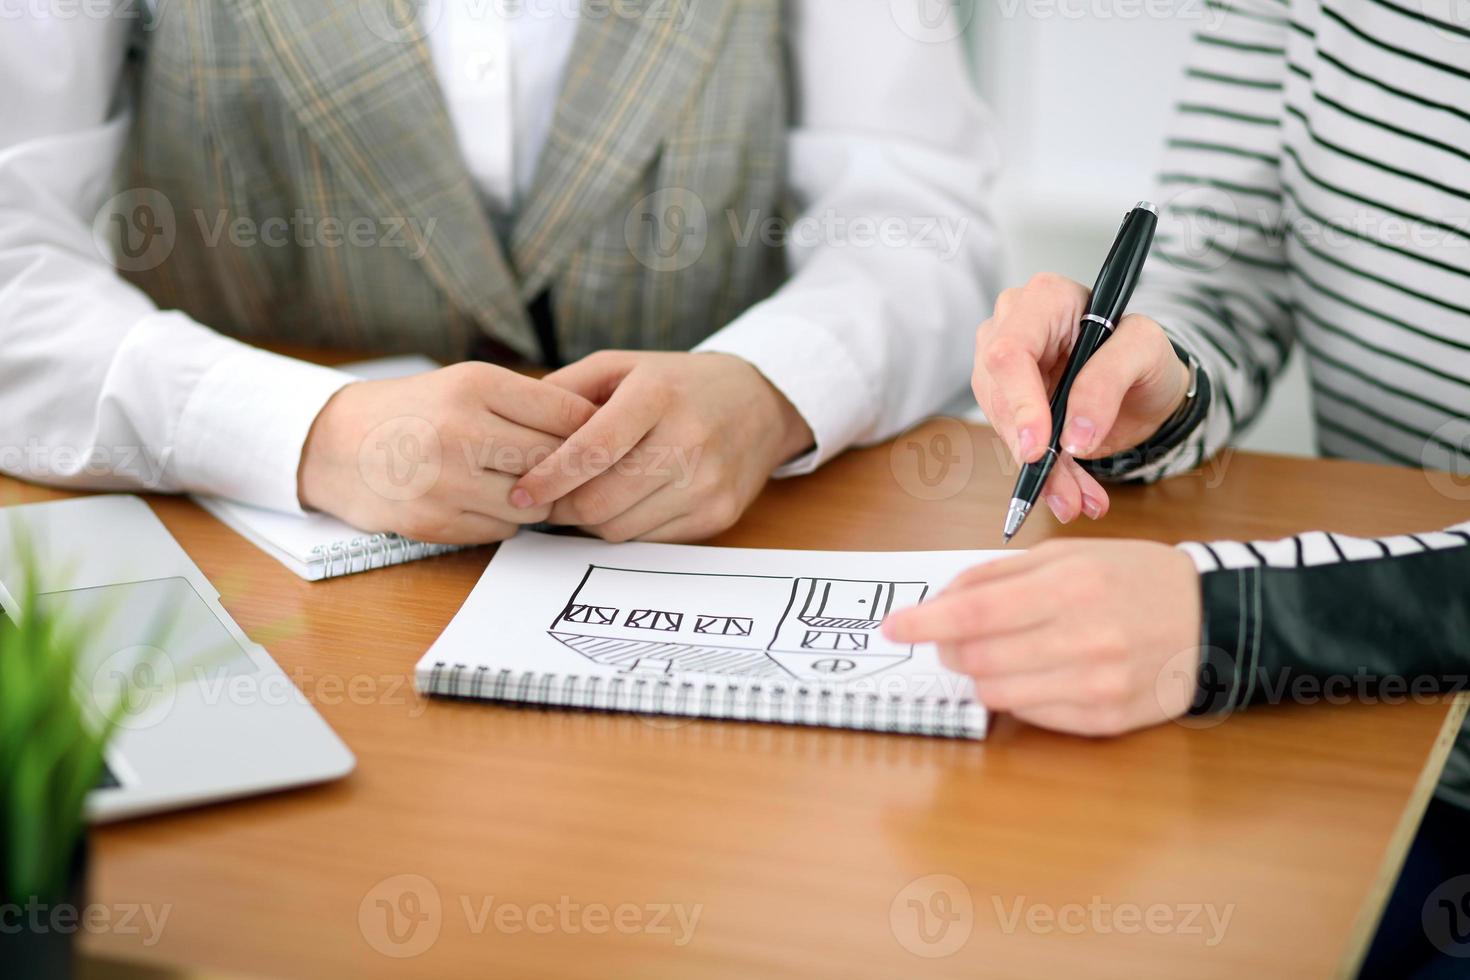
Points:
[[797, 621]]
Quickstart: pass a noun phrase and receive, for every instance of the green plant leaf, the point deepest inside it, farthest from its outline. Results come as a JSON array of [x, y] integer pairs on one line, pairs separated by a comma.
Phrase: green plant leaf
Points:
[[53, 739]]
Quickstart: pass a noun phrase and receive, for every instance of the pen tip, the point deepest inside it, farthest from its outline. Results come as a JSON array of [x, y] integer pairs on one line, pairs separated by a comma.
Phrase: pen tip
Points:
[[1008, 539], [1015, 517]]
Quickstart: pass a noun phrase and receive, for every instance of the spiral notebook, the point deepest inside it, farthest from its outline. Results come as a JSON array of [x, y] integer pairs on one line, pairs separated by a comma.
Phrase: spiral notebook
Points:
[[318, 546], [789, 637]]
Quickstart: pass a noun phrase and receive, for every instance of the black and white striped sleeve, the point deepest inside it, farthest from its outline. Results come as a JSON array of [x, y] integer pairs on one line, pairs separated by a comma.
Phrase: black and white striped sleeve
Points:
[[1323, 606], [1217, 281]]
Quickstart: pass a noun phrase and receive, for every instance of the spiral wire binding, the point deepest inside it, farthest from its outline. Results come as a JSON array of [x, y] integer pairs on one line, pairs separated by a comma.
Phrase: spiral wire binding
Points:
[[798, 704], [364, 553]]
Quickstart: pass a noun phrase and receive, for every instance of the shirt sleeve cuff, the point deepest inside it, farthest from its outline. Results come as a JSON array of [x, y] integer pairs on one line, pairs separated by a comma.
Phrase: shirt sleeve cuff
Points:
[[806, 364], [245, 424]]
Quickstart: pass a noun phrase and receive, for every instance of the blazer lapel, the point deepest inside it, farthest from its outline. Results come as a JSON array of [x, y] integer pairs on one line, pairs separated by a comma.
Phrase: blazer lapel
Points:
[[358, 77], [628, 79]]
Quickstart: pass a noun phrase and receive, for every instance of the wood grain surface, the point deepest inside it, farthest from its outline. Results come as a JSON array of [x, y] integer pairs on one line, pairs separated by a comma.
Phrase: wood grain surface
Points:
[[493, 841]]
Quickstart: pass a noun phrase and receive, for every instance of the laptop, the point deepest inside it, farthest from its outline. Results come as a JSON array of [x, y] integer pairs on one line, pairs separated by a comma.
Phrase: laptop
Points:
[[209, 715]]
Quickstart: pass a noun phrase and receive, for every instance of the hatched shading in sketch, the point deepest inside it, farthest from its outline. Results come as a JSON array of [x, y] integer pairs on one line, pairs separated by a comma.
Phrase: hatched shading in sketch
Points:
[[776, 626]]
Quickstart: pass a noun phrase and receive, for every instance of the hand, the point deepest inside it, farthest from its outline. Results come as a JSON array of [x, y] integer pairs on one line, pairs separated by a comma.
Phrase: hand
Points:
[[680, 446], [1126, 392], [433, 457], [1073, 635]]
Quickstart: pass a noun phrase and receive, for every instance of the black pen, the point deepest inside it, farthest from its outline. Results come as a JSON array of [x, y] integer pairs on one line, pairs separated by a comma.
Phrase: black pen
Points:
[[1115, 285]]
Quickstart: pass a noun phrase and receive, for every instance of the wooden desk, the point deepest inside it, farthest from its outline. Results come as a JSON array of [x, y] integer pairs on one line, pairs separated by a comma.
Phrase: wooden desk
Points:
[[799, 847]]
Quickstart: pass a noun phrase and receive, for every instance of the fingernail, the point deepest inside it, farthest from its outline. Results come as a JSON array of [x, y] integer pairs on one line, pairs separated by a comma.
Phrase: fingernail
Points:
[[520, 498], [1091, 507], [1058, 507], [1025, 442], [1080, 434]]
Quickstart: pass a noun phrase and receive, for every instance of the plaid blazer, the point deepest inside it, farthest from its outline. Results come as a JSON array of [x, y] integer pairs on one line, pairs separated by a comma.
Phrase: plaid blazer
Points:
[[302, 156]]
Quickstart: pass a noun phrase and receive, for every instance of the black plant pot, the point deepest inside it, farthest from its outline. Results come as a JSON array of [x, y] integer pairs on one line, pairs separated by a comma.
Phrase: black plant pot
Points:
[[38, 939]]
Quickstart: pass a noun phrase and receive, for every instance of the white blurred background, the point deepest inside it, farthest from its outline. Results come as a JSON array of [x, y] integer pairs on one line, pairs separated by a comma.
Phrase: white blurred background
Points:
[[1082, 91]]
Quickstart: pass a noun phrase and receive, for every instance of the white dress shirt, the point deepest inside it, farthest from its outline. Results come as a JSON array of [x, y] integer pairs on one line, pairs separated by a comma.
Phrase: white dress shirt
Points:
[[890, 154]]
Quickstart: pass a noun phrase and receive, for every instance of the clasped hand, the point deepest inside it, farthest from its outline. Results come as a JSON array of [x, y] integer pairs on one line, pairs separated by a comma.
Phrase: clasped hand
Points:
[[626, 445]]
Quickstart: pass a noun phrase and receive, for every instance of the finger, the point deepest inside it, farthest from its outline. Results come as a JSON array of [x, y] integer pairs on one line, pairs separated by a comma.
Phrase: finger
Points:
[[705, 517], [487, 492], [1009, 654], [1016, 603], [595, 377], [1072, 491], [996, 409], [688, 529], [1030, 334], [994, 571], [1006, 301], [1130, 358], [1095, 500], [1018, 402], [537, 405], [990, 573], [593, 449], [655, 513], [613, 493], [463, 528], [506, 447], [1062, 493]]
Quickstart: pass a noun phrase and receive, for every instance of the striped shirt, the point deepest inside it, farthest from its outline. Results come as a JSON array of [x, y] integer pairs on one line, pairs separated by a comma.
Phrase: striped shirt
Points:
[[1316, 191]]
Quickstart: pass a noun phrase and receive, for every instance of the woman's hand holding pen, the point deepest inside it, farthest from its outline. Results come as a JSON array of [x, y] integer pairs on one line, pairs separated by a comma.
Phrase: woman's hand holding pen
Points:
[[1124, 394], [1088, 637]]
